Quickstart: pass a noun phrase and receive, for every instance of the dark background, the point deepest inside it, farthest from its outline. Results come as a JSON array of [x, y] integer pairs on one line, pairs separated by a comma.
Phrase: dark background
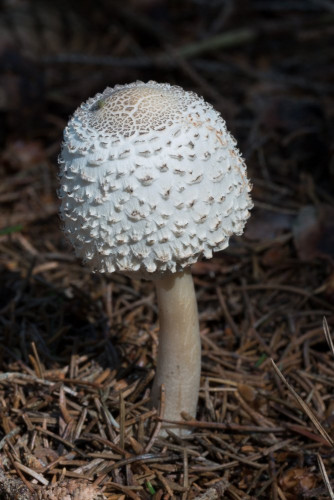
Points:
[[267, 66]]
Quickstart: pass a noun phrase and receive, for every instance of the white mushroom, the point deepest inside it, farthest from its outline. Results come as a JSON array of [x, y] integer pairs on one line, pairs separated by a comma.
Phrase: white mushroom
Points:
[[151, 181]]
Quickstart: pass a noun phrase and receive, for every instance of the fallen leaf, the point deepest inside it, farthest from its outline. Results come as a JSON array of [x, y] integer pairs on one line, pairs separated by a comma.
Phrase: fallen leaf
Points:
[[266, 225], [297, 481], [313, 232]]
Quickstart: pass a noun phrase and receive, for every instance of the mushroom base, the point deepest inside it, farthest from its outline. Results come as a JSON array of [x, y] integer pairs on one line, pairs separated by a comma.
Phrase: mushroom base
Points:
[[179, 353]]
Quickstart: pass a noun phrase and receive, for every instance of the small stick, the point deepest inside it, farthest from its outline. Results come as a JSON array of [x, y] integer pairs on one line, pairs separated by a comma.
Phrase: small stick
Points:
[[37, 364], [185, 473], [80, 424], [304, 406], [58, 438], [159, 423], [62, 405], [8, 436], [221, 426], [227, 314], [121, 420], [325, 476], [31, 473], [328, 335]]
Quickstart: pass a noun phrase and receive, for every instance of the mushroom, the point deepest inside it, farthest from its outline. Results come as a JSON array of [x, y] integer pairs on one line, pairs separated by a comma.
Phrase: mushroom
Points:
[[150, 182]]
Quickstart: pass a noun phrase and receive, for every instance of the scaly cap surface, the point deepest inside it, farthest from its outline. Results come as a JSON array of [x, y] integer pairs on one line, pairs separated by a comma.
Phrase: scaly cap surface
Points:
[[151, 180]]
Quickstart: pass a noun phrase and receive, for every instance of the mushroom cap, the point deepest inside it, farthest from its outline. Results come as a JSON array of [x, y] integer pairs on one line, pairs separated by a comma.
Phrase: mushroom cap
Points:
[[150, 180]]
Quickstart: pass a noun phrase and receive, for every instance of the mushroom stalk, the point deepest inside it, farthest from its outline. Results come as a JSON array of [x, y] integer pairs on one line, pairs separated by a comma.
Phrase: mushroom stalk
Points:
[[179, 353]]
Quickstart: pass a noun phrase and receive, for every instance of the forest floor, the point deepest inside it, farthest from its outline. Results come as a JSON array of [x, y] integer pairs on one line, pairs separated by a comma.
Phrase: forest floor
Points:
[[78, 350]]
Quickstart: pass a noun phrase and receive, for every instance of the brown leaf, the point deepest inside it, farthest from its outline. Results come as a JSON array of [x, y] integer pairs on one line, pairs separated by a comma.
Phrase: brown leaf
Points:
[[265, 225], [313, 232], [297, 481], [275, 255], [247, 392]]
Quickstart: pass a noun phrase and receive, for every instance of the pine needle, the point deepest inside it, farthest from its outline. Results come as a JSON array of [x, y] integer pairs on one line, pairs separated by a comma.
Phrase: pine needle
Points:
[[304, 406], [325, 476], [328, 335]]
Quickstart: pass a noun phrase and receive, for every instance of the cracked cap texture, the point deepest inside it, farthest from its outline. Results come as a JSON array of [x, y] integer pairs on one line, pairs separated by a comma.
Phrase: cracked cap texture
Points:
[[150, 180]]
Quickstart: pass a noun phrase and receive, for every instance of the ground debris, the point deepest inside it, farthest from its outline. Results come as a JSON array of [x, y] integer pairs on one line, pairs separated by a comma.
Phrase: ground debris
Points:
[[70, 490], [78, 350], [13, 487]]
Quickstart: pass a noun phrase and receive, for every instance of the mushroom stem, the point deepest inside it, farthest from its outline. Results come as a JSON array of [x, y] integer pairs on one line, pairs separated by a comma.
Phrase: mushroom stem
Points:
[[179, 353]]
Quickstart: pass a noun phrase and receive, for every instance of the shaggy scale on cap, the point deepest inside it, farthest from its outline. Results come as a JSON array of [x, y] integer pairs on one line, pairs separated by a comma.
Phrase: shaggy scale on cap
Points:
[[151, 180]]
